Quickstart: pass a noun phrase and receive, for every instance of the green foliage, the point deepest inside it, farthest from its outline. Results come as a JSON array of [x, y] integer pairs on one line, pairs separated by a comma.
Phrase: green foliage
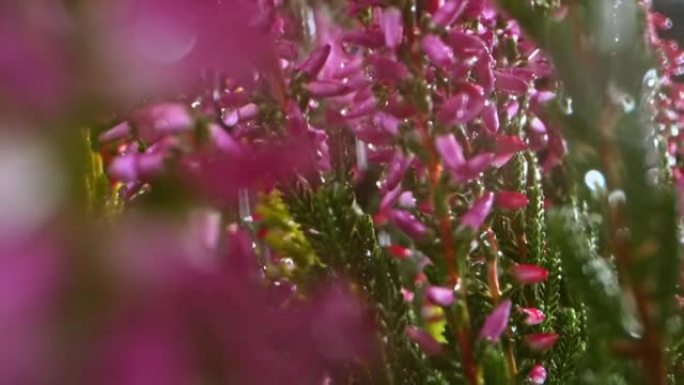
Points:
[[344, 239]]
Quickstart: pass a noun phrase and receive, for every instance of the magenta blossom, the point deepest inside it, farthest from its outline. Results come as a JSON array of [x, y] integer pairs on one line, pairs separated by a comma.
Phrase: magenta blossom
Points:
[[537, 375], [526, 274], [511, 200], [477, 214], [533, 315], [540, 342], [442, 296], [496, 322]]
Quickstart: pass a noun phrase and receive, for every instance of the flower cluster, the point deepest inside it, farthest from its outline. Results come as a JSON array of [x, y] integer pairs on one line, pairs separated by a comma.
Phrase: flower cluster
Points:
[[252, 139]]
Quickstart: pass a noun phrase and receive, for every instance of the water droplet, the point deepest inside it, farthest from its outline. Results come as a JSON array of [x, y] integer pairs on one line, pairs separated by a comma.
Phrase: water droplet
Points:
[[244, 209], [595, 180], [384, 239], [566, 105], [651, 78], [621, 98], [616, 197], [361, 155]]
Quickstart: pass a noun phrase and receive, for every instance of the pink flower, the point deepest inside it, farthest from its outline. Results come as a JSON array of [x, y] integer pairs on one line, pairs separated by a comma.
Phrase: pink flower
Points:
[[439, 53], [392, 26], [423, 339], [449, 12], [442, 296], [315, 62], [537, 375], [511, 200], [452, 154], [464, 106], [496, 322], [510, 83], [477, 214], [136, 166], [245, 113], [466, 45], [155, 121], [534, 316], [324, 88], [450, 150], [540, 342], [526, 274], [490, 118], [408, 223]]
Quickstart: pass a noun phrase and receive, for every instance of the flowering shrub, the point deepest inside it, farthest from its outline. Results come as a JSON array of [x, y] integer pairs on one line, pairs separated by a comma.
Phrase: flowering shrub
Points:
[[343, 192]]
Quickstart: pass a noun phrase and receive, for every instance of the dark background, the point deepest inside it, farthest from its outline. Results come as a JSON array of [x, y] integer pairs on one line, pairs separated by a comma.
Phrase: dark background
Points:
[[675, 10]]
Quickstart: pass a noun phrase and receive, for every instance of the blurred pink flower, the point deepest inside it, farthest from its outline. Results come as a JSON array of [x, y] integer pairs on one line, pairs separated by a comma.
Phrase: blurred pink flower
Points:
[[496, 322]]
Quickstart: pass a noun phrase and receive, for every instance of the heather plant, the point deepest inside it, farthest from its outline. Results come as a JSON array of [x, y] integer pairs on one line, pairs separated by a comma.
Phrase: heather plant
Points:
[[340, 192]]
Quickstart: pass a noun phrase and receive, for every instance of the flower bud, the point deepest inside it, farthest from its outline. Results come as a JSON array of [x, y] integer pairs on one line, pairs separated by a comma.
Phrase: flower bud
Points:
[[314, 64], [529, 274], [408, 223], [511, 200], [477, 214], [392, 26], [442, 296], [439, 53], [537, 375], [540, 342], [534, 316]]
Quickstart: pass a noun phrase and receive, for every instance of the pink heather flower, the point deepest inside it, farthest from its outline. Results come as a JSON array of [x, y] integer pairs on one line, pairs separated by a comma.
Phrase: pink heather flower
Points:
[[324, 88], [442, 296], [407, 200], [397, 168], [424, 340], [490, 118], [450, 150], [117, 132], [537, 375], [387, 70], [526, 274], [540, 342], [222, 140], [476, 215], [158, 120], [449, 12], [313, 65], [408, 223], [511, 200], [534, 316], [452, 154], [463, 107], [392, 26], [537, 126], [389, 197], [243, 114], [439, 53], [466, 45], [387, 122], [136, 166], [511, 107], [496, 322], [510, 83], [407, 295], [506, 147]]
